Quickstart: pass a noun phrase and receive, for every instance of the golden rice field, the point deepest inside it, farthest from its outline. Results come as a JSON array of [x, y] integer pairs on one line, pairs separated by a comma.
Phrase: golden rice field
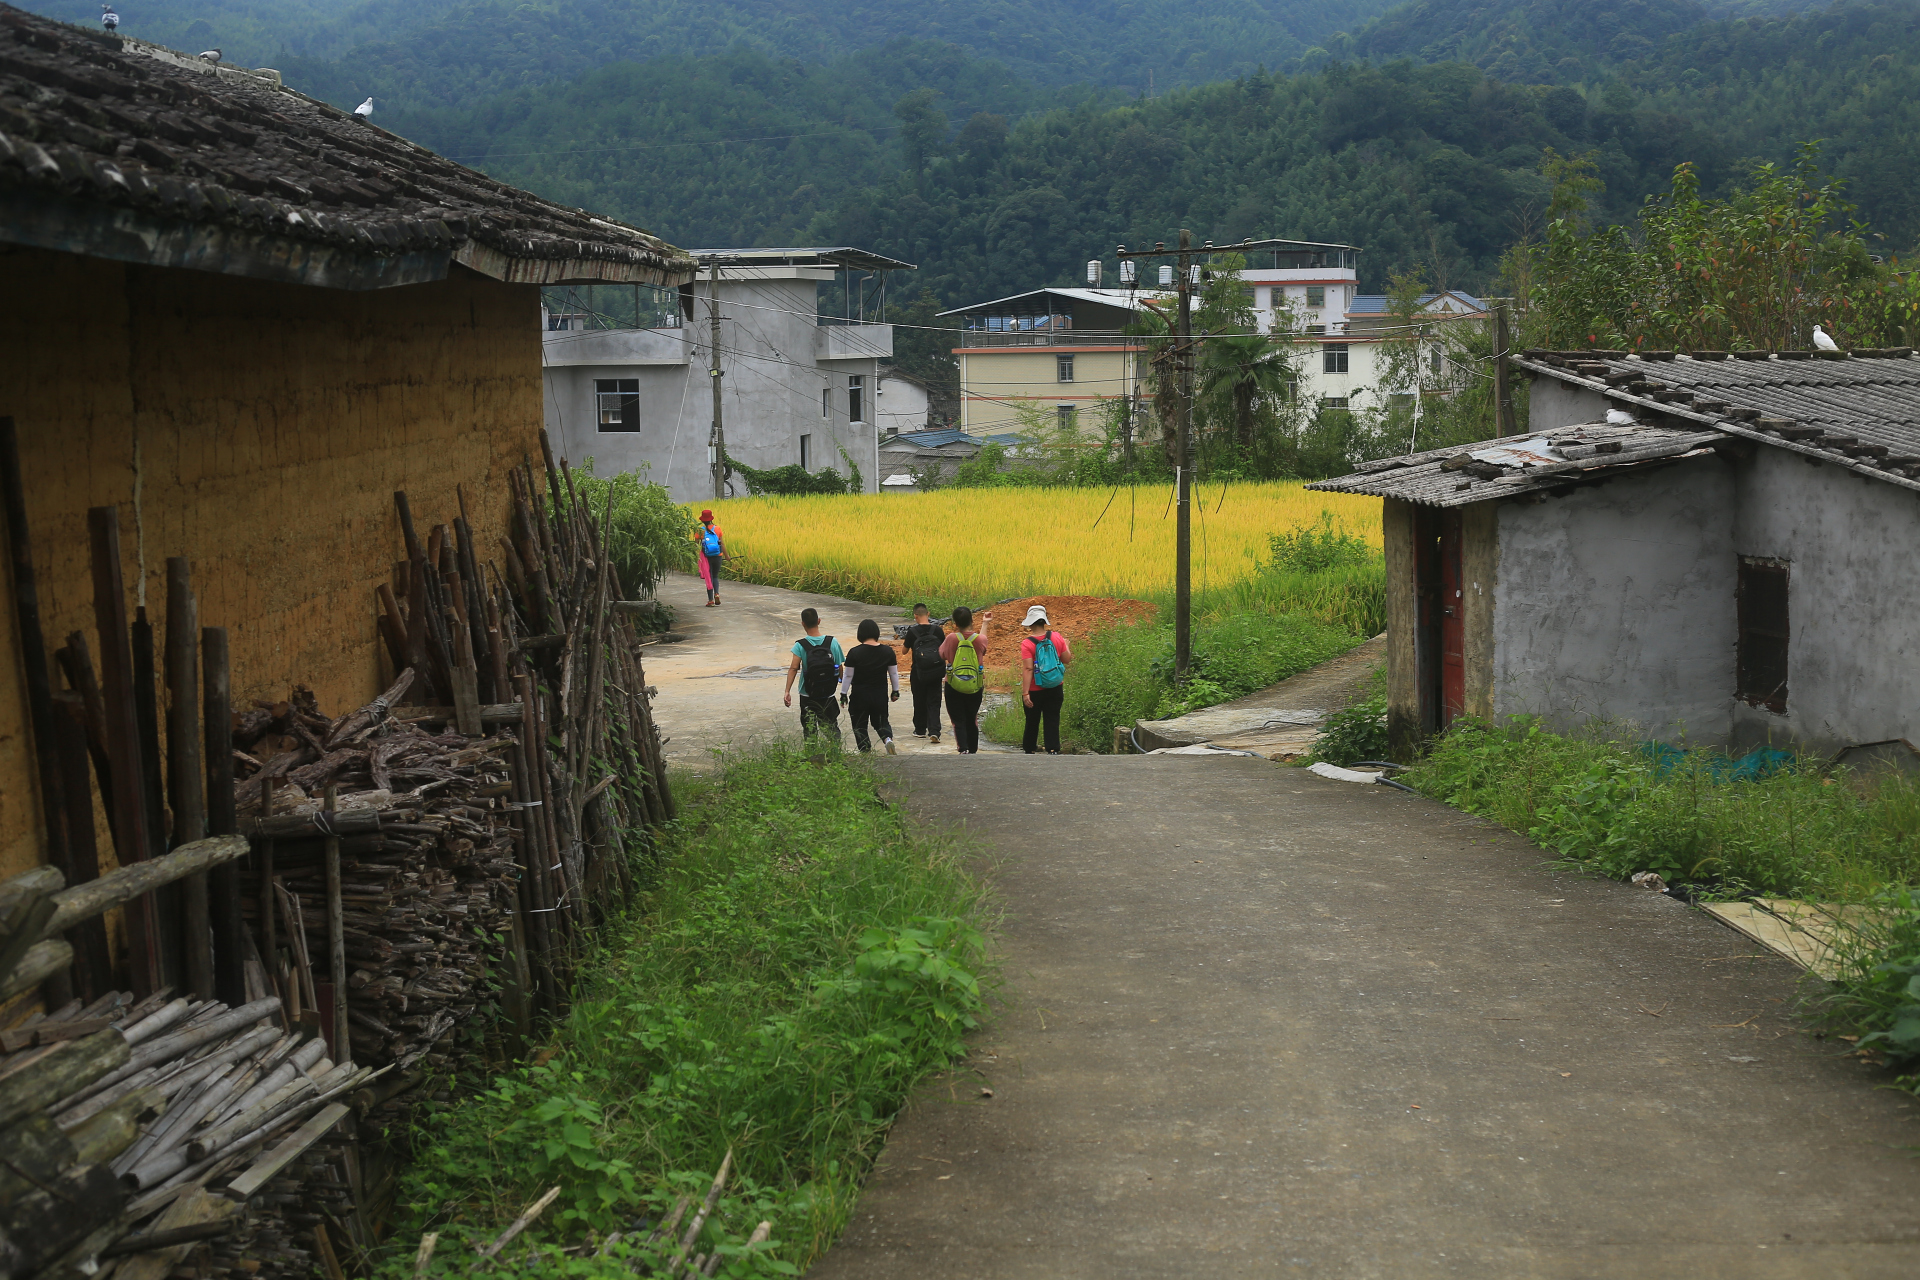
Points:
[[989, 544]]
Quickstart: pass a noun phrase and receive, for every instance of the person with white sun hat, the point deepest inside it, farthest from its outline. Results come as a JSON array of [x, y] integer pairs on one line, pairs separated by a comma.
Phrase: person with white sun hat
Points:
[[1044, 655]]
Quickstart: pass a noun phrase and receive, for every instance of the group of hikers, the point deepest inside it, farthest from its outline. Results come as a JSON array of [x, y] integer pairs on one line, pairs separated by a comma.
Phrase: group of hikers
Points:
[[865, 680]]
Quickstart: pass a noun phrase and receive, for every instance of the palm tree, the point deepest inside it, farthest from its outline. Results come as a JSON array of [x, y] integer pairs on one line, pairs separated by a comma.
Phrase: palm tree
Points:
[[1239, 370]]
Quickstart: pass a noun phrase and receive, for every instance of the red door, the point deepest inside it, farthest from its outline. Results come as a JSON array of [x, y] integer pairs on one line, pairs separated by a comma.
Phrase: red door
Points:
[[1440, 644], [1453, 648]]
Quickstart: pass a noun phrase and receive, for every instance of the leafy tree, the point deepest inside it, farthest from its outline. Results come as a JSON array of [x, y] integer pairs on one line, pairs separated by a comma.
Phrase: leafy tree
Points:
[[923, 129]]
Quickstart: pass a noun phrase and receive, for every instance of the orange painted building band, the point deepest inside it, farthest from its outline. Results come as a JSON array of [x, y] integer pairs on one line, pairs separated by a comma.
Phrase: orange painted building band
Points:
[[260, 430]]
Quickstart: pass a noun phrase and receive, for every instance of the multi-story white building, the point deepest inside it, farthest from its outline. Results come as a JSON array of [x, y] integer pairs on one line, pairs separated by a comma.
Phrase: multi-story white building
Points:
[[1341, 330], [797, 387]]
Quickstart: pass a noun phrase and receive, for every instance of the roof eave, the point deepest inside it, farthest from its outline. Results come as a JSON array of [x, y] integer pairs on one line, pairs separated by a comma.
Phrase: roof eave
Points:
[[1731, 426]]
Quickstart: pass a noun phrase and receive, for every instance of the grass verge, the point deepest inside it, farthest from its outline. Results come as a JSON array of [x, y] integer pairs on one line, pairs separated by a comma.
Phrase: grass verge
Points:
[[1773, 827], [803, 960]]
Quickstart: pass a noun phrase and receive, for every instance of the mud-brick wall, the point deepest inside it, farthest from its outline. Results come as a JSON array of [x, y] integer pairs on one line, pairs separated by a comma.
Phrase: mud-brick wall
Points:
[[260, 430]]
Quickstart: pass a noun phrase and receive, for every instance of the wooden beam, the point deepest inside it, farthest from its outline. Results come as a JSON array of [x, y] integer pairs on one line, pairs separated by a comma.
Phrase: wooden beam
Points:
[[186, 788], [84, 901]]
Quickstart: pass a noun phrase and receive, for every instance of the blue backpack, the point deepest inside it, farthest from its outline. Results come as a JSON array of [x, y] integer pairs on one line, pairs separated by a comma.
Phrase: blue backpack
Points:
[[1048, 671], [711, 543]]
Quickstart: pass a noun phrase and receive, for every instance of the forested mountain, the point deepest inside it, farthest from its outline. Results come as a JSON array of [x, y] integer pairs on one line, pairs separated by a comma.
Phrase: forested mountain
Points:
[[764, 121], [446, 52], [1537, 41]]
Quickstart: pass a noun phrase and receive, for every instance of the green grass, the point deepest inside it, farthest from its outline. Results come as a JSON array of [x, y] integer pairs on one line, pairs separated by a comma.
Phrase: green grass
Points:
[[804, 959], [1807, 831]]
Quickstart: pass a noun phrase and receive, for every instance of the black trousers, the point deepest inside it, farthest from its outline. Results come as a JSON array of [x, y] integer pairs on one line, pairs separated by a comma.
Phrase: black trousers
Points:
[[869, 708], [926, 705], [713, 568], [1046, 705], [963, 709], [819, 715]]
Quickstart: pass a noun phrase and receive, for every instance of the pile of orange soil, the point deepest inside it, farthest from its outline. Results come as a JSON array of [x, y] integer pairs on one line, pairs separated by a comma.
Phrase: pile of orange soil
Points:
[[1078, 618]]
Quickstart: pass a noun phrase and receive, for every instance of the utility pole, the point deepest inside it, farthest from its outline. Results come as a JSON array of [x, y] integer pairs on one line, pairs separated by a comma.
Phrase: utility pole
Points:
[[1183, 467], [1183, 368], [717, 444], [1502, 394]]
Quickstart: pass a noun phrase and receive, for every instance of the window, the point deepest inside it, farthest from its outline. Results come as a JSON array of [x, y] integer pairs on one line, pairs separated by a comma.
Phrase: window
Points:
[[1333, 402], [1066, 415], [856, 389], [826, 402], [1762, 659], [1316, 328], [1437, 361], [806, 453], [1316, 295], [1333, 357], [1063, 368], [618, 400]]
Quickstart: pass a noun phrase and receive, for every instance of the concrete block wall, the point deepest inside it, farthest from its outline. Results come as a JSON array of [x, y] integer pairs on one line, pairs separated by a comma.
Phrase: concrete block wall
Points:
[[260, 430]]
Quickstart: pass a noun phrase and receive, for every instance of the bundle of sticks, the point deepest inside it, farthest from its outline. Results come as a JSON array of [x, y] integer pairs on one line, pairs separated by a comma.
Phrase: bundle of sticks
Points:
[[663, 1250]]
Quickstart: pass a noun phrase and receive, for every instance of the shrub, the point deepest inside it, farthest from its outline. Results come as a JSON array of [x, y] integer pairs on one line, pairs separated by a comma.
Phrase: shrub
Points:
[[648, 533], [1356, 732]]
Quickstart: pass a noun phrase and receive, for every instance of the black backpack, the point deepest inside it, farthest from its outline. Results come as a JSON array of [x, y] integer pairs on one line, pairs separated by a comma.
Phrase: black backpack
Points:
[[818, 675], [927, 640]]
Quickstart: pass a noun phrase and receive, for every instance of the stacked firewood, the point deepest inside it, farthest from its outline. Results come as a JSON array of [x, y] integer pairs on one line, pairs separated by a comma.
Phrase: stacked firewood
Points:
[[399, 870]]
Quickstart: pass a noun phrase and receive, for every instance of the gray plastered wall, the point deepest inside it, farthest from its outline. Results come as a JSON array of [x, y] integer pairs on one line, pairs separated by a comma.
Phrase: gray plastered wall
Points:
[[1616, 601], [776, 361]]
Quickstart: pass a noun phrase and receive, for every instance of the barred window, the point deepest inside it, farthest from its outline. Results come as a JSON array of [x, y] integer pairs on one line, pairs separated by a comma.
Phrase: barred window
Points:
[[619, 403]]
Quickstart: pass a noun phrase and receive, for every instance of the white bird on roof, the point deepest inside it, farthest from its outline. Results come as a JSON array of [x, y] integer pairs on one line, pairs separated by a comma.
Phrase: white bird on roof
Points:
[[364, 110], [1619, 418], [211, 55], [1822, 341]]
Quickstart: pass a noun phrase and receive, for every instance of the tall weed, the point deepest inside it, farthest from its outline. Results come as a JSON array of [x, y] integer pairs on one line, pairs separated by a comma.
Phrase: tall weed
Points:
[[805, 958]]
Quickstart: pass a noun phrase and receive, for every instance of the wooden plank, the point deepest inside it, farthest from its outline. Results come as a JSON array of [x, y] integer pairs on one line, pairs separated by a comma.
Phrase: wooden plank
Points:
[[122, 738], [33, 658], [337, 941], [1808, 933], [85, 901], [93, 964], [41, 960], [153, 791], [289, 1150], [186, 788], [56, 1072], [229, 920], [197, 1208], [51, 1032]]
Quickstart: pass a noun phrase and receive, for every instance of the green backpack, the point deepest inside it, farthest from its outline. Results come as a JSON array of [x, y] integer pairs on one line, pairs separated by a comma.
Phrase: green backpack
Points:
[[965, 676]]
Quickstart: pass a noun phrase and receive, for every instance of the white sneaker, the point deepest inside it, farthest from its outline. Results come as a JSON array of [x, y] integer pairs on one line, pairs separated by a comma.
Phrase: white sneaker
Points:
[[890, 750]]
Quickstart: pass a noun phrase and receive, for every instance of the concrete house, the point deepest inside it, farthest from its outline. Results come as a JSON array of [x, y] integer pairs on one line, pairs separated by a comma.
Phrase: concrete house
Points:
[[1731, 566], [933, 455], [796, 386], [901, 403], [1340, 331], [245, 318], [1057, 352]]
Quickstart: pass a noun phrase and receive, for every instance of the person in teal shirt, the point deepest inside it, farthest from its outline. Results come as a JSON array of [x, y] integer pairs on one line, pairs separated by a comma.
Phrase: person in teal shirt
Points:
[[817, 660]]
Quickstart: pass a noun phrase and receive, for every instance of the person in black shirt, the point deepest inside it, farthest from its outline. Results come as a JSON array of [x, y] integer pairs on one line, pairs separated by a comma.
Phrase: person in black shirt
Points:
[[927, 674], [870, 668]]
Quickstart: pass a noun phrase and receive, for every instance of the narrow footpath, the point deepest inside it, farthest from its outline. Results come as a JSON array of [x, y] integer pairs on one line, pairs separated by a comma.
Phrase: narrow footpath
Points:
[[1255, 1023]]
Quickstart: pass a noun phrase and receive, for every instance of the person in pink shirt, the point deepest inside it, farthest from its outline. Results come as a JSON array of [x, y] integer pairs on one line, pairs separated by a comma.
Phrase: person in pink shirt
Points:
[[1044, 656]]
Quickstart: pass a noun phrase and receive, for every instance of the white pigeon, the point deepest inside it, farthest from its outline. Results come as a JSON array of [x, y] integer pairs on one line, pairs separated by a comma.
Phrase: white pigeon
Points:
[[1619, 418], [364, 110], [211, 55], [1822, 341]]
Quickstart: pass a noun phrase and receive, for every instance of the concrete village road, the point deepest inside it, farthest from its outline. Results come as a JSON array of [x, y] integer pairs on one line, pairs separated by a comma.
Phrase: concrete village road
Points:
[[1256, 1023], [720, 686]]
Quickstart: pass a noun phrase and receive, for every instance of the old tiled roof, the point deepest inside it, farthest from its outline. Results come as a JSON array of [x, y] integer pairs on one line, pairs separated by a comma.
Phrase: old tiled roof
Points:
[[120, 149], [1452, 477], [1859, 410]]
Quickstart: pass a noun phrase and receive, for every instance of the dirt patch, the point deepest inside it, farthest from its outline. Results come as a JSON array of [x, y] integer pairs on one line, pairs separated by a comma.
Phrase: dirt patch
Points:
[[1075, 617]]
